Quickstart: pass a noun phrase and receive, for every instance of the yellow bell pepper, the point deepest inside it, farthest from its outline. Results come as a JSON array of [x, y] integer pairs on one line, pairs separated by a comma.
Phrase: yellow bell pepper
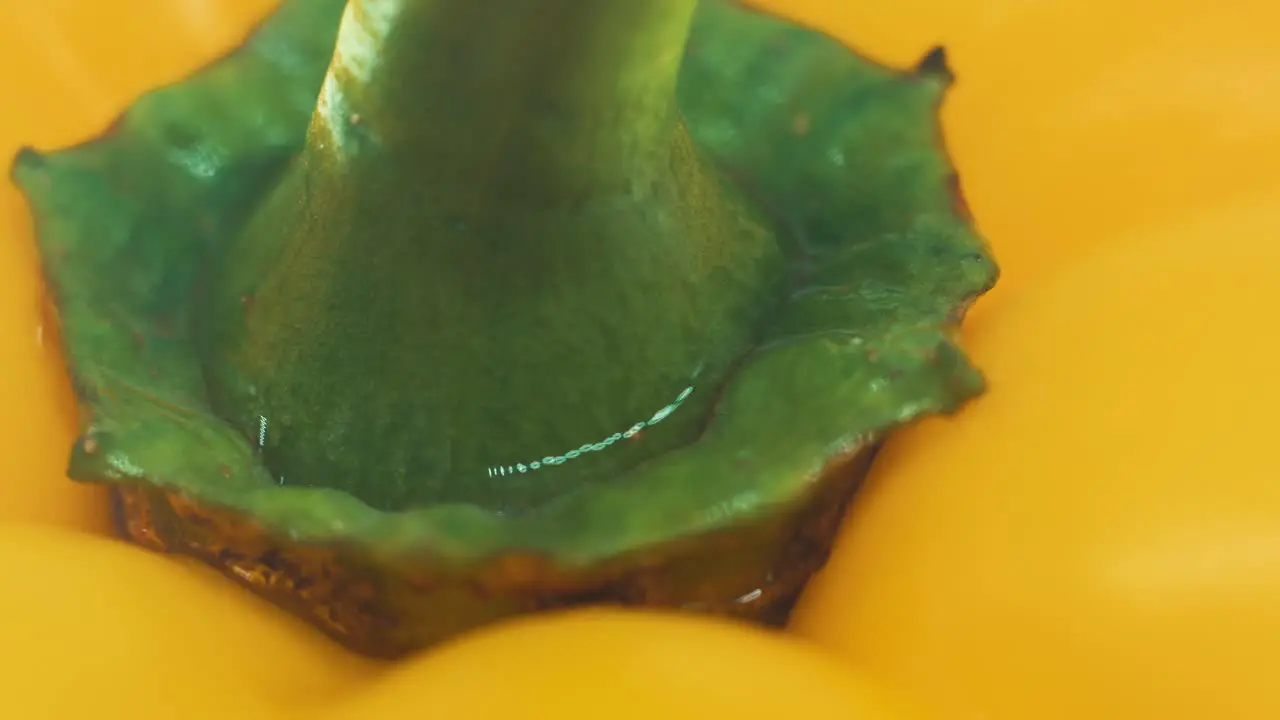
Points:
[[1097, 537]]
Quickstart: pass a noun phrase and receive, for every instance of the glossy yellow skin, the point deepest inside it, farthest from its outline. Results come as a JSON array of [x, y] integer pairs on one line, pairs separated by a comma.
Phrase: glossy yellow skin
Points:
[[1098, 537]]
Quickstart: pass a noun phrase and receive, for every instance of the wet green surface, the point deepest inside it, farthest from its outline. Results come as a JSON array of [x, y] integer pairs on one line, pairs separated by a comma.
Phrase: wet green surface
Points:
[[840, 157]]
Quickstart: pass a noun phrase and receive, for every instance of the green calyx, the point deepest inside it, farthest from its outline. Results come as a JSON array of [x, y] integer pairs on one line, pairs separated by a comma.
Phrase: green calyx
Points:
[[692, 262]]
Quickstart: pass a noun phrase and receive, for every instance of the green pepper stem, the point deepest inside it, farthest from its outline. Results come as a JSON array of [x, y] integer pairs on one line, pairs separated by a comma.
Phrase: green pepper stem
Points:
[[487, 91], [498, 246]]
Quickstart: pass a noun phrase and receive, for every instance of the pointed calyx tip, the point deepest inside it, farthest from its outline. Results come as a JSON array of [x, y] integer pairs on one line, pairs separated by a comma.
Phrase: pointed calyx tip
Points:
[[935, 64], [27, 158]]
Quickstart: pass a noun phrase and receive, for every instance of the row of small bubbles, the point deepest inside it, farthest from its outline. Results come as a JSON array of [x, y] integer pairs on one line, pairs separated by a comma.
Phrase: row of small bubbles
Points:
[[552, 460], [262, 440]]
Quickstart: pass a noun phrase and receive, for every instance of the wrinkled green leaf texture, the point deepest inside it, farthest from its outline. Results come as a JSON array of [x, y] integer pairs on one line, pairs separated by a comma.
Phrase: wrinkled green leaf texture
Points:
[[845, 152]]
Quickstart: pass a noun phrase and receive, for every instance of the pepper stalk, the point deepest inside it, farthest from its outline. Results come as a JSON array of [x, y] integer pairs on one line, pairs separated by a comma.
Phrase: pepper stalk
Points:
[[499, 270]]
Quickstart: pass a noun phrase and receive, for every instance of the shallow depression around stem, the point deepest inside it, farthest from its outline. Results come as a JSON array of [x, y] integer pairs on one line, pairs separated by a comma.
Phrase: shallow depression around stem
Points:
[[866, 347]]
